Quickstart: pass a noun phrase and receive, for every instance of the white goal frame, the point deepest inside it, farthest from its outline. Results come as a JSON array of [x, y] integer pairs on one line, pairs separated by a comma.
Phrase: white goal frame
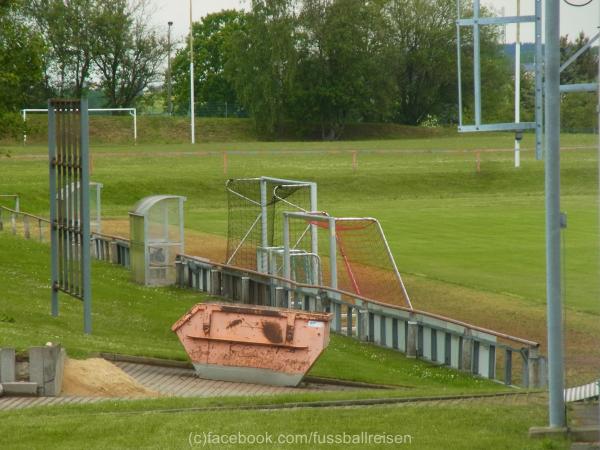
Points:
[[132, 113]]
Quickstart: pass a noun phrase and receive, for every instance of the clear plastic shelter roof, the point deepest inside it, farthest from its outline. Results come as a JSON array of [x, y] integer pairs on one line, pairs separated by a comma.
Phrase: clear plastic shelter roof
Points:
[[156, 238], [145, 205]]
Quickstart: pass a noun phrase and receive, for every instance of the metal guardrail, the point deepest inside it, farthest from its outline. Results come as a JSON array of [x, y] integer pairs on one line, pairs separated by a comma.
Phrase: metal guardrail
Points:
[[24, 224], [418, 334], [113, 249]]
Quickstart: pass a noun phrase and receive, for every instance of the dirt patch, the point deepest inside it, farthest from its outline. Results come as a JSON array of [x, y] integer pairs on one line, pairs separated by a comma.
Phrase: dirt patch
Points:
[[196, 243], [97, 377]]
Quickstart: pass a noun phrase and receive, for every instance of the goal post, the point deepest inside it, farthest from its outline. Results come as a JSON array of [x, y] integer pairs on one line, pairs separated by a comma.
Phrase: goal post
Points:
[[132, 112], [355, 255], [254, 217]]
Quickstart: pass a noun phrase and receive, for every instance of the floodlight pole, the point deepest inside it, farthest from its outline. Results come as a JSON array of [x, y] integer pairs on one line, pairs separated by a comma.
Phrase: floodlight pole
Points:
[[169, 97], [553, 217], [476, 62], [192, 113], [518, 88]]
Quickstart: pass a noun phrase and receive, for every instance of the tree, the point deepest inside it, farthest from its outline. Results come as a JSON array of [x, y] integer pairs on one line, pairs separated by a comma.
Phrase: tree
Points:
[[579, 109], [108, 40], [126, 52], [341, 72], [21, 67], [262, 60], [585, 68], [422, 41], [210, 54], [66, 30]]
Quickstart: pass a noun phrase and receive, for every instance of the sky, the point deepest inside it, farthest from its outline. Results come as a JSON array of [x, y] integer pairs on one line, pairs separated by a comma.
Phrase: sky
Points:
[[573, 20]]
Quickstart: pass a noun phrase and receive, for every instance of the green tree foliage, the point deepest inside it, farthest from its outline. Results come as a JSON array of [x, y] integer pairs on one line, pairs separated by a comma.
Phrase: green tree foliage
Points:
[[21, 67], [66, 30], [210, 54], [262, 62], [342, 52], [126, 52], [579, 109], [327, 62], [108, 41]]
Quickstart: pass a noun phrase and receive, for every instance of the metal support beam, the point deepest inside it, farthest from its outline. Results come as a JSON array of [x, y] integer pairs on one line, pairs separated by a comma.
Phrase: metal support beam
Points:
[[53, 213], [495, 20], [498, 127], [333, 254], [84, 187], [578, 53], [553, 230], [539, 83], [264, 236], [581, 87]]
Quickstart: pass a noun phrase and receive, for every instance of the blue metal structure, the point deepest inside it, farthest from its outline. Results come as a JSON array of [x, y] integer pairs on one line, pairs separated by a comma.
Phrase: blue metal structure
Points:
[[476, 22], [68, 151]]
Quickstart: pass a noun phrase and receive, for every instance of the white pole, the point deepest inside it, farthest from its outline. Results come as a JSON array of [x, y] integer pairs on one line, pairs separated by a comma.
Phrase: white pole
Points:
[[24, 113], [518, 87], [192, 113], [135, 126]]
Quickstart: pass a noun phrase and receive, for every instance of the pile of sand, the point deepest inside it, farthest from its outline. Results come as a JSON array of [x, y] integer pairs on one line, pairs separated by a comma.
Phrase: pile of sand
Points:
[[97, 377]]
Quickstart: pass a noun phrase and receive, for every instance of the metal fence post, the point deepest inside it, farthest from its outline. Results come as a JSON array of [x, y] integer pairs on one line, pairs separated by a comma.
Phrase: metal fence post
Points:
[[411, 339], [26, 231], [466, 363], [533, 365], [215, 282], [245, 297]]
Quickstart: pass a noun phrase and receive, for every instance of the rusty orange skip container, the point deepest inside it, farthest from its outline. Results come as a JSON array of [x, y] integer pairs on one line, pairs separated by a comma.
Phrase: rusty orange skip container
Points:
[[252, 344]]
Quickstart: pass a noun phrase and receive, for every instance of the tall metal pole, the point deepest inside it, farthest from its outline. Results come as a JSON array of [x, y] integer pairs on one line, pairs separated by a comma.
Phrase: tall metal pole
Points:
[[553, 219], [518, 88], [169, 97], [53, 212], [192, 113], [476, 62], [84, 186]]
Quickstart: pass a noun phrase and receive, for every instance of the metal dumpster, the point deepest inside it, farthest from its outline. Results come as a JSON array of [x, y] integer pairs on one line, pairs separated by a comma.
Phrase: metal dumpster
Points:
[[252, 344]]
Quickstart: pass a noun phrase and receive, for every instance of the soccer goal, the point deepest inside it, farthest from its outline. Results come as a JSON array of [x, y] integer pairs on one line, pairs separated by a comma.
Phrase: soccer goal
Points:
[[354, 252], [130, 111], [254, 234]]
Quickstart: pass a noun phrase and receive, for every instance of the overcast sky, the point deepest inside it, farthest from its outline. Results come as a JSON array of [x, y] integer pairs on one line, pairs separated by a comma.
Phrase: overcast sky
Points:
[[573, 19]]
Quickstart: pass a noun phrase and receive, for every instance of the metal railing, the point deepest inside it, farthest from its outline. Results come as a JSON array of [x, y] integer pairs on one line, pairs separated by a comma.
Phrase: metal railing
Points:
[[24, 224], [418, 334], [113, 249]]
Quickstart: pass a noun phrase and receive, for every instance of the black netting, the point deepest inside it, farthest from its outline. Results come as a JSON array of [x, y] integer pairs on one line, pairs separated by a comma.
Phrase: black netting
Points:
[[244, 231]]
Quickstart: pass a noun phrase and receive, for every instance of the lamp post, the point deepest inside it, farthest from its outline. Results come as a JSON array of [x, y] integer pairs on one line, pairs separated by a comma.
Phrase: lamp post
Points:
[[192, 113], [169, 97]]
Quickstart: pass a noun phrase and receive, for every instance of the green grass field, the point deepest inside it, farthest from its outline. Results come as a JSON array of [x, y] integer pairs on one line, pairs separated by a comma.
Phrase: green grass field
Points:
[[469, 244], [423, 426]]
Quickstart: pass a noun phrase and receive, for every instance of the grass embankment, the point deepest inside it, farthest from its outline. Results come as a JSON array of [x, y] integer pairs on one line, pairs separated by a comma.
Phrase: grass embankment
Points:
[[467, 426], [471, 245], [172, 130], [136, 320]]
